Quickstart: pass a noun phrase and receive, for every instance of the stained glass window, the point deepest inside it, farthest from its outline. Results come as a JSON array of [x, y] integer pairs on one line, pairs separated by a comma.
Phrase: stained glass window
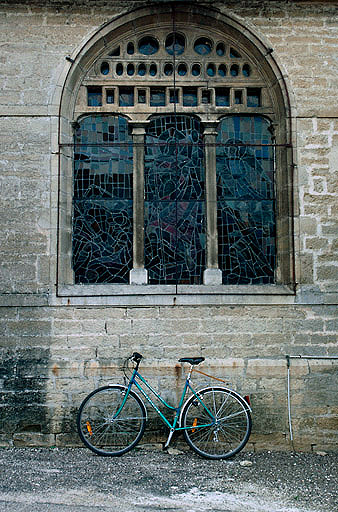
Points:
[[102, 200], [245, 209], [189, 107], [174, 201]]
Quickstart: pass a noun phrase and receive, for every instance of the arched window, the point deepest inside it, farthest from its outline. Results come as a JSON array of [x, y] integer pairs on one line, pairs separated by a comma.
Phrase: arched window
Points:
[[180, 158]]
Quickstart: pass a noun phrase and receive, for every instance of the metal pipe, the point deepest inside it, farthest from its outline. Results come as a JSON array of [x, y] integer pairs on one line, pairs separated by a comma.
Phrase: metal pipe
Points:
[[288, 383], [311, 357], [289, 401]]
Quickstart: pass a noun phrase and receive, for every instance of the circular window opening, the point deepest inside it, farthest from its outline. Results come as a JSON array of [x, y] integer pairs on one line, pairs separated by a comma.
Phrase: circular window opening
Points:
[[153, 70], [168, 69], [182, 69], [211, 69], [148, 45], [246, 70], [196, 70], [203, 46], [130, 49], [222, 70], [220, 49], [130, 69], [104, 68], [234, 70], [141, 70], [175, 43], [119, 69]]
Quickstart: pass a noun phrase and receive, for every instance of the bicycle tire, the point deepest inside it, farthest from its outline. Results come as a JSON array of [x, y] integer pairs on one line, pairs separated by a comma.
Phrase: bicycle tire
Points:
[[104, 434], [224, 437]]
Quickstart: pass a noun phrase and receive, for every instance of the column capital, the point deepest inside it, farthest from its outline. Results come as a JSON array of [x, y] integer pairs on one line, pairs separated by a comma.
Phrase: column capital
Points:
[[209, 126], [138, 128]]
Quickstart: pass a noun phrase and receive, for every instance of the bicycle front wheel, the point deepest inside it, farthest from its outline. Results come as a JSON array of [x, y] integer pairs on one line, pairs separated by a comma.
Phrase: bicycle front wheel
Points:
[[104, 428], [218, 424]]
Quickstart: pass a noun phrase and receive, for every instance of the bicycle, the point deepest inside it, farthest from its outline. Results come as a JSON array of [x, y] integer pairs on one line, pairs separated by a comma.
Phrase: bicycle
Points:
[[216, 421]]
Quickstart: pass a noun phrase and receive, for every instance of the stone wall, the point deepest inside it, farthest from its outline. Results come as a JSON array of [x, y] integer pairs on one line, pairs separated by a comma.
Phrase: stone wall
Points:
[[54, 353]]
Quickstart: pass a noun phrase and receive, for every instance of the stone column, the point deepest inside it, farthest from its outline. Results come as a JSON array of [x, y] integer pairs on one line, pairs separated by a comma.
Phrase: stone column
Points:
[[138, 274], [212, 274]]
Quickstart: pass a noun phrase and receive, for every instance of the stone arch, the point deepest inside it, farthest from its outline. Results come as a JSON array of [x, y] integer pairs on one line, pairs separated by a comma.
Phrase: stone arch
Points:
[[165, 15]]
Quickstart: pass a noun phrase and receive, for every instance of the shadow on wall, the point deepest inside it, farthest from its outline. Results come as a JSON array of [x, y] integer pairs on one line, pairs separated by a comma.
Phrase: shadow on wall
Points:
[[23, 381]]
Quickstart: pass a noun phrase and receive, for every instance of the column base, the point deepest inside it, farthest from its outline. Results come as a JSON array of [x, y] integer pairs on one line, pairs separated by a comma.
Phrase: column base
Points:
[[138, 276], [212, 276]]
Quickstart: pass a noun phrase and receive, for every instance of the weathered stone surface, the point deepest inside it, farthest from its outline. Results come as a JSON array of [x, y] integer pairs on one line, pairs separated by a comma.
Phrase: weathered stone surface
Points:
[[54, 353]]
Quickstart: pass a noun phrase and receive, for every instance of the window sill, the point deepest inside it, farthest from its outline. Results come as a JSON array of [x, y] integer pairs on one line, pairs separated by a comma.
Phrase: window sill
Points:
[[152, 295]]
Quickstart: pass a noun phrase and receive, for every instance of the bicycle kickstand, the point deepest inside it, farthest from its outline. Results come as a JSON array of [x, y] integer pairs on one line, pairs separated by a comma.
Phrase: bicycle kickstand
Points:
[[172, 430]]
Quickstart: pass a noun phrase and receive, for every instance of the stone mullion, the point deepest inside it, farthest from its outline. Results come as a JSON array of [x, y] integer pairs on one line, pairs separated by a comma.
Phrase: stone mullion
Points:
[[138, 275], [212, 274]]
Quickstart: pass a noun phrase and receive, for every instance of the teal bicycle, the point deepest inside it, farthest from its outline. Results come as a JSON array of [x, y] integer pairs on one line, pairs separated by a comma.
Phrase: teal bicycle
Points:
[[215, 421]]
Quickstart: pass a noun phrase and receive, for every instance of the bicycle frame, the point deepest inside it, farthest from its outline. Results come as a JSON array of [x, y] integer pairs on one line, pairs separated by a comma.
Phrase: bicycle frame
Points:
[[172, 426]]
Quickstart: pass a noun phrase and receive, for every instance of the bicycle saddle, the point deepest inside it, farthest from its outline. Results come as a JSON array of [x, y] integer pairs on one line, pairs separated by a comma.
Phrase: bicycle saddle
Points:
[[191, 360]]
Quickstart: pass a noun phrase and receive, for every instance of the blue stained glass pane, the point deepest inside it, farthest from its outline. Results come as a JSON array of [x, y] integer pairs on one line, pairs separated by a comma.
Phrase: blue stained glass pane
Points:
[[141, 70], [253, 97], [222, 96], [246, 200], [153, 70], [189, 96], [157, 97], [126, 96], [174, 190], [196, 70], [119, 69], [246, 241], [234, 70], [102, 202], [175, 44], [246, 70], [174, 96], [222, 70], [130, 48], [130, 69], [211, 70], [234, 54], [168, 69], [94, 95], [174, 166], [203, 46], [148, 45], [174, 242], [182, 69], [105, 68], [220, 50], [102, 241]]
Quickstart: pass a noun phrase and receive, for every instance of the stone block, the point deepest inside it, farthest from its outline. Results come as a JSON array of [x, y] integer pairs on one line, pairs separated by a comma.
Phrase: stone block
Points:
[[29, 439], [266, 368], [327, 272], [68, 440], [273, 442], [331, 326]]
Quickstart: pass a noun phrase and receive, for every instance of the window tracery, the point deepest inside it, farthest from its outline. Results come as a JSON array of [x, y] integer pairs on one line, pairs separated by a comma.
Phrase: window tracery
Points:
[[180, 185]]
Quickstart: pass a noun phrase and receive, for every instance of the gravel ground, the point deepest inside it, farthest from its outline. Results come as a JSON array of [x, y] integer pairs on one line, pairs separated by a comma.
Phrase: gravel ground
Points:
[[70, 480]]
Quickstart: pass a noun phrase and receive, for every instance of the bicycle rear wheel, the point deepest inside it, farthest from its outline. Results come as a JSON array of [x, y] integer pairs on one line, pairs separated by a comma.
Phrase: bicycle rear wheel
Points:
[[101, 430], [223, 434]]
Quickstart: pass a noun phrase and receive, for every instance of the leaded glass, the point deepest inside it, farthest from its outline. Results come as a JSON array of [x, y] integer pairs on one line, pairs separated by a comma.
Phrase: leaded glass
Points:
[[175, 44], [102, 202], [148, 45], [102, 241], [174, 201], [245, 209], [203, 46]]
